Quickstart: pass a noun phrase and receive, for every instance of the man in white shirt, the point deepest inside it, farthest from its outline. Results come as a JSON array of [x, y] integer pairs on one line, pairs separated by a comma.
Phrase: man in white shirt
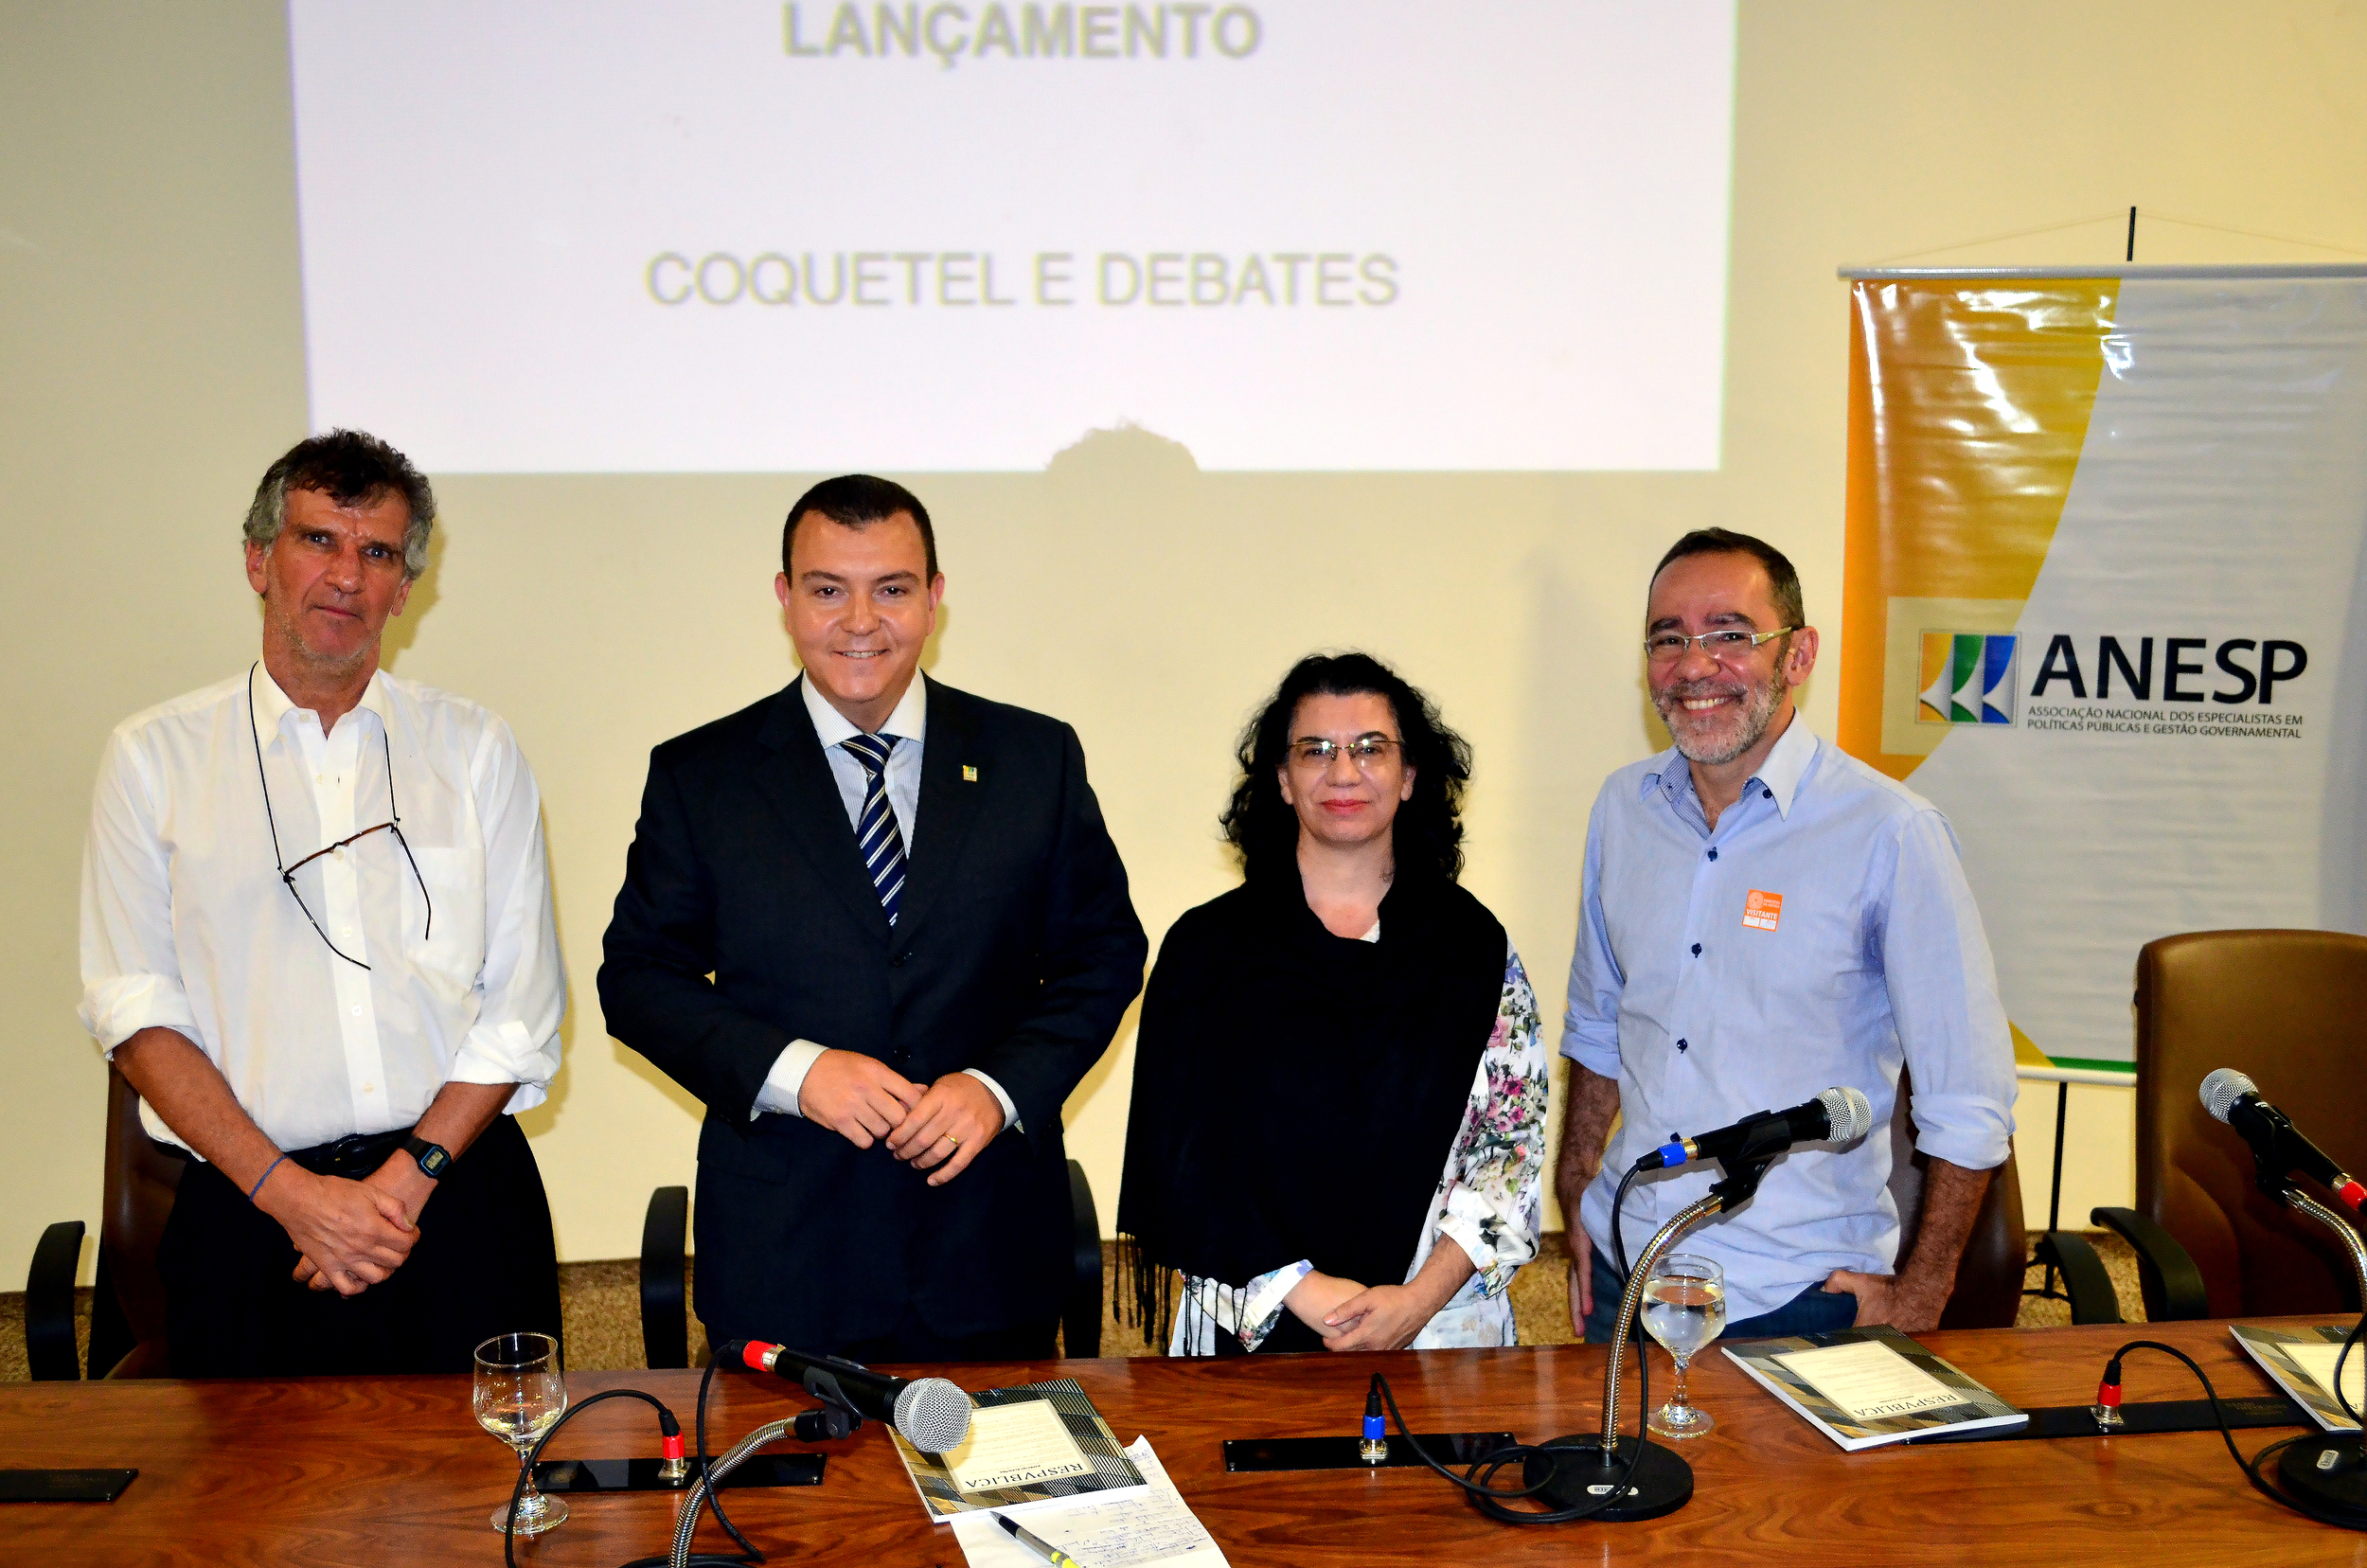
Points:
[[317, 939]]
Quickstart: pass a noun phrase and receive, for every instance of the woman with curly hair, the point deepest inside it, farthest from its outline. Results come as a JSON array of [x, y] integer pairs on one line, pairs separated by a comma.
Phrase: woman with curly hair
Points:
[[1339, 1114]]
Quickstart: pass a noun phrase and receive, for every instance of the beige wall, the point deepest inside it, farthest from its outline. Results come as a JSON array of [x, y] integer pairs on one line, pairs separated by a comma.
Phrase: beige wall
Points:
[[151, 364]]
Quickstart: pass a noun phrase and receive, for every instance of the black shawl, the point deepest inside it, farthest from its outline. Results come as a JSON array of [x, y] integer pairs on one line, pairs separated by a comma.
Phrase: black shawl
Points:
[[1296, 1093]]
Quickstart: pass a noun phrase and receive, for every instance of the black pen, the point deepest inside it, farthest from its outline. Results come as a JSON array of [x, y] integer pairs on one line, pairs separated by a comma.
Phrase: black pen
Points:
[[1037, 1544]]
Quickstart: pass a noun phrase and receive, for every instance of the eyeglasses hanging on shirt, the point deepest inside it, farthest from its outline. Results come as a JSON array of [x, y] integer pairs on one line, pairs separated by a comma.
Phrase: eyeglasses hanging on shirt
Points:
[[394, 825]]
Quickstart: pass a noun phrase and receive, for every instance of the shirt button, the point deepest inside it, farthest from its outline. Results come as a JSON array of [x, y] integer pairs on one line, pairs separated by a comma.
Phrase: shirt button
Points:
[[1712, 854], [369, 1088], [357, 1010], [1680, 1046], [1769, 794], [1696, 950]]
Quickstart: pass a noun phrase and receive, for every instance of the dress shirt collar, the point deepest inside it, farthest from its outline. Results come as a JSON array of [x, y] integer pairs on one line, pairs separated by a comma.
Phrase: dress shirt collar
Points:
[[910, 721], [273, 705], [1781, 773]]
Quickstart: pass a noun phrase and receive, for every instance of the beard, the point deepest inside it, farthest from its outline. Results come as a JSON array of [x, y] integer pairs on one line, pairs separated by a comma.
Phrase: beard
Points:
[[1722, 734]]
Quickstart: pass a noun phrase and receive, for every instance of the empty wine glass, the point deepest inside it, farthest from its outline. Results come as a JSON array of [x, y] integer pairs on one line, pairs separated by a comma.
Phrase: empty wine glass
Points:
[[520, 1395], [1685, 1307]]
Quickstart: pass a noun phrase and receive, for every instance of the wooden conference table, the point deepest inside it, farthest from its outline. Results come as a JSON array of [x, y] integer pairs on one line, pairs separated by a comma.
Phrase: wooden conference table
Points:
[[394, 1472]]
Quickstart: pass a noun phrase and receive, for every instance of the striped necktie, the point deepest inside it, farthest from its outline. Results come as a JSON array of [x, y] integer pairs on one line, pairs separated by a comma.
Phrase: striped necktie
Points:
[[876, 834]]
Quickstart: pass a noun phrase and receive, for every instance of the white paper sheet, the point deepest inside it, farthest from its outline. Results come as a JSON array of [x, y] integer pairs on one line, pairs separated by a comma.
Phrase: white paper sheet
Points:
[[1869, 1381], [1015, 1445], [2317, 1360], [1154, 1528]]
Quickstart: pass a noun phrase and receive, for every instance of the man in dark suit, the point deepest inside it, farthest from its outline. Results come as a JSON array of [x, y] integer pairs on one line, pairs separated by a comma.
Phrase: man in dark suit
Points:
[[878, 926]]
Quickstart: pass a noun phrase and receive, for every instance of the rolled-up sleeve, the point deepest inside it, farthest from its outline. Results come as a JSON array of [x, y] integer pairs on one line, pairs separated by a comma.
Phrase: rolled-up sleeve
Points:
[[131, 976], [1943, 994], [1590, 1026], [524, 984]]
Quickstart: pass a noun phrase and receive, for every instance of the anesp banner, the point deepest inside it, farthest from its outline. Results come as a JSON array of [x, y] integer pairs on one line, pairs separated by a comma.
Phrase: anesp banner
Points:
[[2103, 606]]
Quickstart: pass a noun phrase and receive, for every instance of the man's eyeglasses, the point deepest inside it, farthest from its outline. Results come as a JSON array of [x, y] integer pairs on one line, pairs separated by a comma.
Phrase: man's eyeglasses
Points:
[[1728, 643], [1365, 751], [394, 825]]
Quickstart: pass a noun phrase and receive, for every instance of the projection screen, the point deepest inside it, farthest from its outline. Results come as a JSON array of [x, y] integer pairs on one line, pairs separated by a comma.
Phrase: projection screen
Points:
[[748, 237]]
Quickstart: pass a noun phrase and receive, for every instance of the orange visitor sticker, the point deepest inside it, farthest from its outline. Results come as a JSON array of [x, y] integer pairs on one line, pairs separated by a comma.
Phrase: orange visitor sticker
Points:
[[1760, 911]]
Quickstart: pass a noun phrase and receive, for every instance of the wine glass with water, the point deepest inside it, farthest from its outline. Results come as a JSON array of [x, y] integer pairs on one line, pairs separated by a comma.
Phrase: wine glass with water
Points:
[[520, 1395], [1685, 1307]]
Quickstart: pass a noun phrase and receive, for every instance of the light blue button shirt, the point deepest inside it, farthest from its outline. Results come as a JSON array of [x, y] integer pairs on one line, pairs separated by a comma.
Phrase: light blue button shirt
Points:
[[1707, 1004]]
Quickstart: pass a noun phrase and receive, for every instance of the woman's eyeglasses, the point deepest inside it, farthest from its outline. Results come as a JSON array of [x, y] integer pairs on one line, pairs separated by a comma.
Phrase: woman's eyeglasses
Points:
[[1365, 751]]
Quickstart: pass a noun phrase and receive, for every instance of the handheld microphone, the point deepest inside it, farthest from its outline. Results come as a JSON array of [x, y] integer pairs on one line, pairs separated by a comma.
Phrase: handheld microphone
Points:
[[1838, 1114], [2233, 1098], [932, 1414]]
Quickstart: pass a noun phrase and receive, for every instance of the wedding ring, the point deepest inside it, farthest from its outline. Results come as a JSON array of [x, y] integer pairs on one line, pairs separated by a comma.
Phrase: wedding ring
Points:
[[955, 1141]]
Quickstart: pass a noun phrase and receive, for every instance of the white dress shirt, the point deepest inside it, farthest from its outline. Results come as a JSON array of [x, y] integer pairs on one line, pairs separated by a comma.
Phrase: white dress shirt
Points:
[[909, 725], [1822, 933], [186, 924]]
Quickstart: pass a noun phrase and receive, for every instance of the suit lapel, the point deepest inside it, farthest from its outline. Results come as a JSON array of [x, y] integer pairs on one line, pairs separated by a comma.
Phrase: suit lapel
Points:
[[794, 775], [948, 804]]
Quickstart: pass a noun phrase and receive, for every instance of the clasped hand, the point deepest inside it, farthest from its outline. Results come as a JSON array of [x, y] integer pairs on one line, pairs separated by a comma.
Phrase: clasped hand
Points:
[[1350, 1316], [939, 1129], [352, 1235]]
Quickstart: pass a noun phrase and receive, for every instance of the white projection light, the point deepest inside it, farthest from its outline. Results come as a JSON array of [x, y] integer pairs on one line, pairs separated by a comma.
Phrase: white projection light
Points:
[[742, 235]]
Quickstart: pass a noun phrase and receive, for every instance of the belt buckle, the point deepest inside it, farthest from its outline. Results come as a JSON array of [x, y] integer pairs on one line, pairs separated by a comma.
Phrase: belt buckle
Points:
[[351, 1149]]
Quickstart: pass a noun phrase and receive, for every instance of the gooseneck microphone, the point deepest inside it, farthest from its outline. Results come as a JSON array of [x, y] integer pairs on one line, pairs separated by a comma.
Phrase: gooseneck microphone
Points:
[[1838, 1114], [931, 1413], [2233, 1098]]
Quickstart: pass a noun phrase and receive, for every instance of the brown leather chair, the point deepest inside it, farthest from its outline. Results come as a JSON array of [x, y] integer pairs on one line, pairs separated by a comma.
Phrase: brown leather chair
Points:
[[1989, 1275], [2283, 1007], [126, 1337]]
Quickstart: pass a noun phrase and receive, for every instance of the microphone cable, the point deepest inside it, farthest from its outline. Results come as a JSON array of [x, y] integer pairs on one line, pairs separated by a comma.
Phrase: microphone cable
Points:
[[1478, 1487], [2254, 1468], [702, 1493], [666, 1425], [1618, 1203], [714, 1501], [1489, 1499]]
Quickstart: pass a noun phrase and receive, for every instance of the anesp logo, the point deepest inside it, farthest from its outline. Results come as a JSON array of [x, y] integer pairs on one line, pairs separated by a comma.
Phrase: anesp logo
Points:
[[1967, 678]]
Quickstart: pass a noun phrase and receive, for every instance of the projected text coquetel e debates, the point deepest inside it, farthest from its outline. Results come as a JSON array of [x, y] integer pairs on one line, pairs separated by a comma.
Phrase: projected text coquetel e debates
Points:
[[1050, 278]]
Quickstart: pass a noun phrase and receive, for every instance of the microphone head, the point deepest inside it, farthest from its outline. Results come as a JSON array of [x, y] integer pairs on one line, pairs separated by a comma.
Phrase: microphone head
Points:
[[933, 1415], [1848, 1112], [2222, 1089]]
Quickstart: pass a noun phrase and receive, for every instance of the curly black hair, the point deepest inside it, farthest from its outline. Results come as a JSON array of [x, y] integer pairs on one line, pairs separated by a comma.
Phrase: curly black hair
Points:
[[1428, 833]]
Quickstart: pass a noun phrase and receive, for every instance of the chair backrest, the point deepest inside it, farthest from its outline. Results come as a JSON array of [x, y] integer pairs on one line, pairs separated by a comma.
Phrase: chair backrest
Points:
[[1989, 1272], [2283, 1007], [128, 1314]]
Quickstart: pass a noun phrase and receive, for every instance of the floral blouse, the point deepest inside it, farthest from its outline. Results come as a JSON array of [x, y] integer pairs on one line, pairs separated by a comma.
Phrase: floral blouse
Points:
[[1490, 1203]]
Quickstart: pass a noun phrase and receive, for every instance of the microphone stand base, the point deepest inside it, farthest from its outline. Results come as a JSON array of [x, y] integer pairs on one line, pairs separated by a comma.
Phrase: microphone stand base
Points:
[[2330, 1475], [1662, 1483]]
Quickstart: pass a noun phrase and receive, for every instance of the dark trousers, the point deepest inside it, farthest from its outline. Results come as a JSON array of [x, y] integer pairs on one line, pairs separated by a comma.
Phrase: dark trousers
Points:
[[485, 1264], [912, 1341], [1814, 1311]]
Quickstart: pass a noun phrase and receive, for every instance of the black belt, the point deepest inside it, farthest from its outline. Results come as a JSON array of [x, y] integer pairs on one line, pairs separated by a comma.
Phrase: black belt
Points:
[[355, 1156], [362, 1151]]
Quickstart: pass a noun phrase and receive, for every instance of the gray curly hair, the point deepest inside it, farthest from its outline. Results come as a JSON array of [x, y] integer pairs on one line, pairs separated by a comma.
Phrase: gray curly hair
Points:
[[351, 467]]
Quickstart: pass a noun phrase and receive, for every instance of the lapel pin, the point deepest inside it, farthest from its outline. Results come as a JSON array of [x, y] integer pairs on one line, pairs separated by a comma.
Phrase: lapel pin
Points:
[[970, 775]]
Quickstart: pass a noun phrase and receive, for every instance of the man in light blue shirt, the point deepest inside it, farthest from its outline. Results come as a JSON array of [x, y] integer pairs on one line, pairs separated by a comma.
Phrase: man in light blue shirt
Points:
[[1765, 917]]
